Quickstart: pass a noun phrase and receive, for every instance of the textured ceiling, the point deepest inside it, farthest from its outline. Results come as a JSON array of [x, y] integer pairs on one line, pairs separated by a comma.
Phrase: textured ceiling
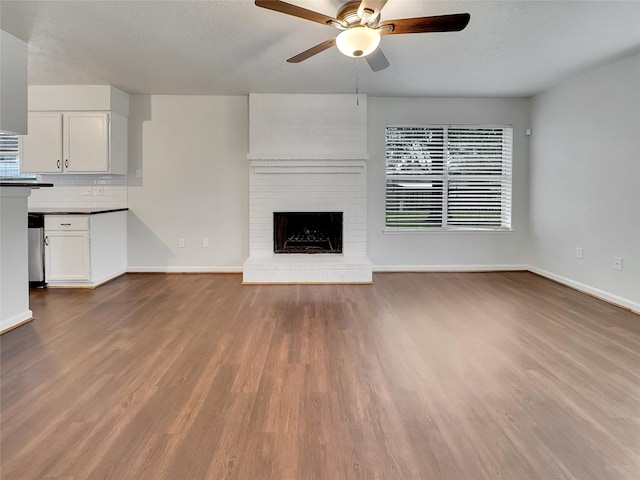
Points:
[[510, 48]]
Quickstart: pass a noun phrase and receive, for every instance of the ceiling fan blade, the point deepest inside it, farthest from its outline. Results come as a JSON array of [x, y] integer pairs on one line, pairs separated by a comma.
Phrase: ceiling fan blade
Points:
[[377, 60], [441, 23], [373, 6], [321, 47], [283, 7]]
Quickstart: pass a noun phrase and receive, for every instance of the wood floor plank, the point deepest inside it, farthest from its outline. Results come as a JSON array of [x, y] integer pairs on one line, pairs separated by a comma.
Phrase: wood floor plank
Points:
[[440, 376]]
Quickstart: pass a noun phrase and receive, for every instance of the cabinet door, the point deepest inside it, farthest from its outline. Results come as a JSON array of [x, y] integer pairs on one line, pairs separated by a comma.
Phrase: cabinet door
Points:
[[66, 256], [86, 142], [42, 147]]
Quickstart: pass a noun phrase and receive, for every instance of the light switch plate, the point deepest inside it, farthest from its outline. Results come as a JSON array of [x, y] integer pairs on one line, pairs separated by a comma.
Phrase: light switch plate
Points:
[[617, 263]]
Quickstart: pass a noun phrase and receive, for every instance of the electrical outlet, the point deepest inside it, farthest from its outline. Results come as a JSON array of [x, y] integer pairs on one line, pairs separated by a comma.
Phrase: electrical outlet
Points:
[[86, 190], [579, 252], [98, 190], [205, 242], [181, 243], [617, 263]]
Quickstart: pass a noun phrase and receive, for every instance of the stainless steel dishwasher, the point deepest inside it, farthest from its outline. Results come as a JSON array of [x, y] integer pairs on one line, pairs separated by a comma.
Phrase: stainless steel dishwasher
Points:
[[36, 250]]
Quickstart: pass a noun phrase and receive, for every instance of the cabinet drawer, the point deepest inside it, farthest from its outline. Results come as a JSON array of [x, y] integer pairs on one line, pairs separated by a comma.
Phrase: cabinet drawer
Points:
[[66, 222]]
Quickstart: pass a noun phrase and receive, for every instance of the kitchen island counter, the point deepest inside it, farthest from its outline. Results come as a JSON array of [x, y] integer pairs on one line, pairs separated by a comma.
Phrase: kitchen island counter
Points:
[[74, 211], [14, 265], [21, 183]]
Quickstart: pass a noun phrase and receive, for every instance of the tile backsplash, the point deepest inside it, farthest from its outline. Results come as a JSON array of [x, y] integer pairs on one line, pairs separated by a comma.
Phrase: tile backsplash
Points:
[[81, 191]]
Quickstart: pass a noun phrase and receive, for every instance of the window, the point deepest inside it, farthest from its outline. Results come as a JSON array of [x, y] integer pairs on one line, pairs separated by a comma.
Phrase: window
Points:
[[448, 177], [10, 157]]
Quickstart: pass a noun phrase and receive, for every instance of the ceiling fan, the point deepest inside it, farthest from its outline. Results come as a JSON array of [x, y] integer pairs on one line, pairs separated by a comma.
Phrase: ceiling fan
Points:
[[361, 28]]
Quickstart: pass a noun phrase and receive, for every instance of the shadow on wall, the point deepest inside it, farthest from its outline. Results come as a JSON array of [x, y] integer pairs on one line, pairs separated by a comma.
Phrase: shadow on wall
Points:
[[139, 112], [148, 249]]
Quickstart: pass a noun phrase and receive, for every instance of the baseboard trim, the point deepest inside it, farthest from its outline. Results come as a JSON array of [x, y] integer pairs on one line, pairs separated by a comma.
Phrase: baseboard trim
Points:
[[588, 289], [184, 269], [16, 321], [258, 284], [87, 285], [376, 269], [109, 278], [447, 268]]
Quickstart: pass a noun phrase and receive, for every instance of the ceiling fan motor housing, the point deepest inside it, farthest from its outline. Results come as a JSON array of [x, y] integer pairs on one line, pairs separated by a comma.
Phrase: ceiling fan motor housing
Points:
[[348, 14]]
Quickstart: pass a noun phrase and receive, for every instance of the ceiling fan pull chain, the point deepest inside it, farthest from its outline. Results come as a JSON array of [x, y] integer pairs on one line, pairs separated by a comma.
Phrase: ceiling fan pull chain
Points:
[[357, 70]]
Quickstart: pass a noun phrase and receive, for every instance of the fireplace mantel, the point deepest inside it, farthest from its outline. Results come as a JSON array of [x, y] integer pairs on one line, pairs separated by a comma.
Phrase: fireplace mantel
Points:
[[308, 166], [307, 156]]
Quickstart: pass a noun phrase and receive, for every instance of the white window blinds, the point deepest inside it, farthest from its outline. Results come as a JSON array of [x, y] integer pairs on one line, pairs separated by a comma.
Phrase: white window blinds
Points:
[[415, 176], [448, 177], [10, 157]]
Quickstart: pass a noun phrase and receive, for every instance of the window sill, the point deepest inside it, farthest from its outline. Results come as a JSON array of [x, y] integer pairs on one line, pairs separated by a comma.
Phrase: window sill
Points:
[[19, 177], [441, 231]]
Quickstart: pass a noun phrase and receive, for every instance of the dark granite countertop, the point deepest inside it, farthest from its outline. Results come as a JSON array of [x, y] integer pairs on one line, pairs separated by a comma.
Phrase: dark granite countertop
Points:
[[74, 211], [22, 183]]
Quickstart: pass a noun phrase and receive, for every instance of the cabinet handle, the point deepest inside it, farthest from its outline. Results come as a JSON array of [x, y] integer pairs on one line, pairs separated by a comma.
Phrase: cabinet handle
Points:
[[66, 163], [46, 240], [65, 224], [58, 164]]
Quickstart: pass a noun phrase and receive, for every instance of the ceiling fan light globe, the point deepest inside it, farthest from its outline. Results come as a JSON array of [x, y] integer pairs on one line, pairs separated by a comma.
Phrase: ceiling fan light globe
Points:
[[358, 41]]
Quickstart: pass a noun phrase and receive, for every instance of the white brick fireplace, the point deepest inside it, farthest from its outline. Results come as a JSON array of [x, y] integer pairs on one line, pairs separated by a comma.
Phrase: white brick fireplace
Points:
[[308, 153]]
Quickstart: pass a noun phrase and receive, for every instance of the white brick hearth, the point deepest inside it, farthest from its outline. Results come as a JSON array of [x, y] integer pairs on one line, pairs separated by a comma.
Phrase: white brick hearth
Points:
[[328, 174]]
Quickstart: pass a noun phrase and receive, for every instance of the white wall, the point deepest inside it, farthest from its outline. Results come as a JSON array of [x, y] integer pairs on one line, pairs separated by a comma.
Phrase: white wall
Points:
[[13, 84], [585, 181], [192, 155], [444, 251], [210, 185]]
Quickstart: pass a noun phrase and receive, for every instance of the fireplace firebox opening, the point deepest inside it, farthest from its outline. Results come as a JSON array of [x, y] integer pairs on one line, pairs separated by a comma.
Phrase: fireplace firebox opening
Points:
[[307, 232]]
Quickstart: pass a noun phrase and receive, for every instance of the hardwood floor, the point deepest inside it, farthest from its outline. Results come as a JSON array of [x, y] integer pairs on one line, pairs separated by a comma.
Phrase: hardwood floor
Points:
[[457, 376]]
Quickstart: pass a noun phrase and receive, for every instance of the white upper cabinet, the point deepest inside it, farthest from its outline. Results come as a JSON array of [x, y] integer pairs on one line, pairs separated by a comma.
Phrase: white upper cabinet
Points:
[[43, 146], [86, 142], [75, 142]]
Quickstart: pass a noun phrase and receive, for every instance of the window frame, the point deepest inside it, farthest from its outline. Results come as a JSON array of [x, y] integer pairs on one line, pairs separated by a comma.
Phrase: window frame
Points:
[[444, 227]]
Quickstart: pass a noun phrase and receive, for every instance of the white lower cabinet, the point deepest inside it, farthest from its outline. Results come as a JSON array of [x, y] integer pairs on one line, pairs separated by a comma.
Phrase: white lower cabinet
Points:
[[85, 250], [67, 256]]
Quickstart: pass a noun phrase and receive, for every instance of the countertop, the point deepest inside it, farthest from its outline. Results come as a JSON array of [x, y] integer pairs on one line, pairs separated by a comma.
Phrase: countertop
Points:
[[19, 183], [74, 211]]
